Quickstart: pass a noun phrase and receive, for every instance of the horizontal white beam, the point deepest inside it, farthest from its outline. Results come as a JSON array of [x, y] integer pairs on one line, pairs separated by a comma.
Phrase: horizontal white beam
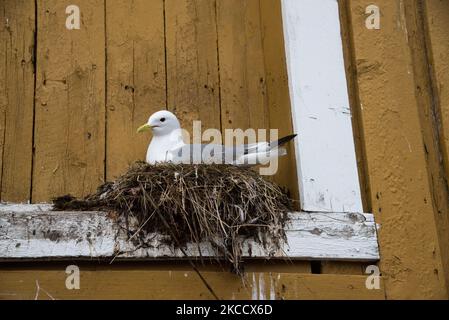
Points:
[[32, 232]]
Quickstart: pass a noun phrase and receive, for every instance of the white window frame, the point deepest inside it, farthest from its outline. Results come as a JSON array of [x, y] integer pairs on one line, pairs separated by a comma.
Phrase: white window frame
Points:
[[331, 226], [326, 159]]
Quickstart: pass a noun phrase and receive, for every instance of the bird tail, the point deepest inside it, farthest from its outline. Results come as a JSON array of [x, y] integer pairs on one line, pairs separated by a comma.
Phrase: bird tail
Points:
[[282, 141]]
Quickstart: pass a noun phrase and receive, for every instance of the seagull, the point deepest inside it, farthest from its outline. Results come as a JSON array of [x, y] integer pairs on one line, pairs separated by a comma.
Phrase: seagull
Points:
[[167, 145]]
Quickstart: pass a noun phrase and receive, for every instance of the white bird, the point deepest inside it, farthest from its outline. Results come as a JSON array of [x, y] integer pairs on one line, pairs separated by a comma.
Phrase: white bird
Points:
[[167, 145]]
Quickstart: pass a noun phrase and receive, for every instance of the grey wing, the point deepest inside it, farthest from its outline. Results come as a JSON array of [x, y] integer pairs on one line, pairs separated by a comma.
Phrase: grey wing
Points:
[[220, 154], [207, 153]]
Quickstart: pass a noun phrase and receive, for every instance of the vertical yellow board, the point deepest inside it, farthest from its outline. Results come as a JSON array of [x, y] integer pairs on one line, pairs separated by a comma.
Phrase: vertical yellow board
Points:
[[242, 72], [69, 112], [192, 62], [438, 32], [395, 153], [278, 96], [135, 78], [431, 121], [351, 76], [17, 29]]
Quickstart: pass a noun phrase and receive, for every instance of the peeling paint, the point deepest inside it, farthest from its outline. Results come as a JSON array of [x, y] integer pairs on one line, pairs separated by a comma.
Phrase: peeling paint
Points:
[[70, 234], [254, 287], [262, 287], [272, 287]]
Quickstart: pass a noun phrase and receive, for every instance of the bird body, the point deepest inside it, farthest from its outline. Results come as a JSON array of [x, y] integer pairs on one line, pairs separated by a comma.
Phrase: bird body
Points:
[[167, 145], [161, 148]]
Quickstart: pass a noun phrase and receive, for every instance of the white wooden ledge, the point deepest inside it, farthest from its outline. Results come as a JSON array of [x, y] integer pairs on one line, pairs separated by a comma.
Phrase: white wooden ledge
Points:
[[33, 232]]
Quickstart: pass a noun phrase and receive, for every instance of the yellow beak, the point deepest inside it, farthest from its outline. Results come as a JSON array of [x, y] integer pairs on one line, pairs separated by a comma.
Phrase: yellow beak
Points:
[[144, 128]]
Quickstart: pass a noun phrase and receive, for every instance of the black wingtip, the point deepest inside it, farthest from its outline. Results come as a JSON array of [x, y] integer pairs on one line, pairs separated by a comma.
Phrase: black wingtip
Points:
[[283, 140]]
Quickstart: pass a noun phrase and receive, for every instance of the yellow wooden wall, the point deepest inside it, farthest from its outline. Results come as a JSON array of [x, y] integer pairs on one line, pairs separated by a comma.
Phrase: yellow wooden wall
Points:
[[70, 102], [74, 98]]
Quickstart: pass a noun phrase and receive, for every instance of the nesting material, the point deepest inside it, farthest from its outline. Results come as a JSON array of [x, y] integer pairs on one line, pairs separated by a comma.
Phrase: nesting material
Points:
[[221, 204]]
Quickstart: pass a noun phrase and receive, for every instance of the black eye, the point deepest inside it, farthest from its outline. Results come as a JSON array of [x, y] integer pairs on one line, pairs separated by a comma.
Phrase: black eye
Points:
[[162, 119]]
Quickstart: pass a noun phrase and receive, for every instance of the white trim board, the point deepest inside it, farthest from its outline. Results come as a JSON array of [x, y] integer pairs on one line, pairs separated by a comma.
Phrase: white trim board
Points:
[[35, 233], [326, 159]]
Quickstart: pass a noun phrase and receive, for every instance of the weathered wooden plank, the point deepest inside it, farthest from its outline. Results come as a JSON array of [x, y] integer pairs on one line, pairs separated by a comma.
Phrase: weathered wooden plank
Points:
[[430, 120], [70, 101], [186, 285], [2, 130], [327, 167], [278, 98], [351, 78], [3, 97], [192, 62], [438, 32], [342, 267], [17, 29], [396, 156], [58, 235], [330, 287], [242, 72], [117, 282], [135, 78]]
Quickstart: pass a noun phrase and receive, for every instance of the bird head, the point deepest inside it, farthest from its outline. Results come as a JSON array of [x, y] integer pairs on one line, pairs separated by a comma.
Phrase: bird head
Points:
[[161, 123]]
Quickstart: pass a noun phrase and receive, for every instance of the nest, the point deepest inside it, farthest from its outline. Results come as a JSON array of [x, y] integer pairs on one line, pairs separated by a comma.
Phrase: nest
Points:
[[221, 204]]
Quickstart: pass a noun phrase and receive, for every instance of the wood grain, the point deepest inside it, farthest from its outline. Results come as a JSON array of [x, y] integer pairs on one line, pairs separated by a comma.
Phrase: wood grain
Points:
[[192, 62], [17, 29], [3, 90], [357, 124], [135, 78], [70, 101], [41, 234], [118, 282], [242, 71], [431, 118], [437, 27], [342, 267], [278, 98], [400, 188]]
